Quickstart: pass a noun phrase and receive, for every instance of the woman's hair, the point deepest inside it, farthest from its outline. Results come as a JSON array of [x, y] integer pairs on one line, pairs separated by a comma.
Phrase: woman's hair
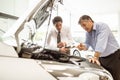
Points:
[[85, 17], [57, 19]]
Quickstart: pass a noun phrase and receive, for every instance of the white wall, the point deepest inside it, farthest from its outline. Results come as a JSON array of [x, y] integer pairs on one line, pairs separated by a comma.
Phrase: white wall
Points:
[[119, 29], [14, 7], [7, 8], [93, 6]]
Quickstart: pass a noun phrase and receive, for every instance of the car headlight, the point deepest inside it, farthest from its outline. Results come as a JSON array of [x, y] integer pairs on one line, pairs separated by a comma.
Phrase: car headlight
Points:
[[95, 74], [90, 74]]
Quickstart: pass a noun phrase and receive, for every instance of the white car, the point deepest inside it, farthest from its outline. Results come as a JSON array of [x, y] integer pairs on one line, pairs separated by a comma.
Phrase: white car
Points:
[[28, 61]]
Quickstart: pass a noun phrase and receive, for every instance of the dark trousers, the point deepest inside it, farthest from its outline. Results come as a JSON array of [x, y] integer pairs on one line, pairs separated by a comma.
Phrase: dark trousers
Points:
[[112, 64]]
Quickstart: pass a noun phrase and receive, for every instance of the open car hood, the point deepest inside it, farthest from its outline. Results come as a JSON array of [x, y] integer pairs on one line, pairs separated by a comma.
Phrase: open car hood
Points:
[[36, 15]]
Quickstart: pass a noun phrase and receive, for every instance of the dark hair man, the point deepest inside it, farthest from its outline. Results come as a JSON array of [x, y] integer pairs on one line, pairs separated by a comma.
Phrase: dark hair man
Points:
[[59, 36]]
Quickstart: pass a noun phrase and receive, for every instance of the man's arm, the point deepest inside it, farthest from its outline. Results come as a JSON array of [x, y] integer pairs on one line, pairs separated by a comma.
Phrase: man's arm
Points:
[[81, 46], [102, 38], [86, 45]]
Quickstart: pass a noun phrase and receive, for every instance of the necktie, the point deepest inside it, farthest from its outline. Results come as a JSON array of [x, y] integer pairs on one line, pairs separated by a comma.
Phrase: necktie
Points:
[[58, 37]]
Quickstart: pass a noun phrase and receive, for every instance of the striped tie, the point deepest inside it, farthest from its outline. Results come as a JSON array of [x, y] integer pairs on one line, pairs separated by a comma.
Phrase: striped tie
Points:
[[58, 37]]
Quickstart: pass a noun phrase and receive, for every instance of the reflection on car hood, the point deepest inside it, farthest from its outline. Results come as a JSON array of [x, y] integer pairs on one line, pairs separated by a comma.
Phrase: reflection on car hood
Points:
[[22, 69], [67, 71]]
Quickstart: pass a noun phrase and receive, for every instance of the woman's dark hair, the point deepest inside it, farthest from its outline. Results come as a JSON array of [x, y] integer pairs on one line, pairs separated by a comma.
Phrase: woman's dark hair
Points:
[[57, 19], [85, 17]]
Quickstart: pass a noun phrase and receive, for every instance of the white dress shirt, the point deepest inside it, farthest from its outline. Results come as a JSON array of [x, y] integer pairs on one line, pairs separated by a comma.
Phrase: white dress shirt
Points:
[[65, 37]]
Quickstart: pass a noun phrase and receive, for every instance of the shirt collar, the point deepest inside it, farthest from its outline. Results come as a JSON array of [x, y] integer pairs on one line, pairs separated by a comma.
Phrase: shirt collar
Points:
[[94, 26], [57, 30]]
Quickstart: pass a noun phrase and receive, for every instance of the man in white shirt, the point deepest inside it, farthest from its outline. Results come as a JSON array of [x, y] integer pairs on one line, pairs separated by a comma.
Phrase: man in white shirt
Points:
[[65, 38]]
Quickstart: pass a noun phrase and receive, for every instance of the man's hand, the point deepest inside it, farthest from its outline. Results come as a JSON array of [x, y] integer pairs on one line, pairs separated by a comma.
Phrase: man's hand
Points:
[[94, 60], [64, 50], [61, 44], [81, 47]]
